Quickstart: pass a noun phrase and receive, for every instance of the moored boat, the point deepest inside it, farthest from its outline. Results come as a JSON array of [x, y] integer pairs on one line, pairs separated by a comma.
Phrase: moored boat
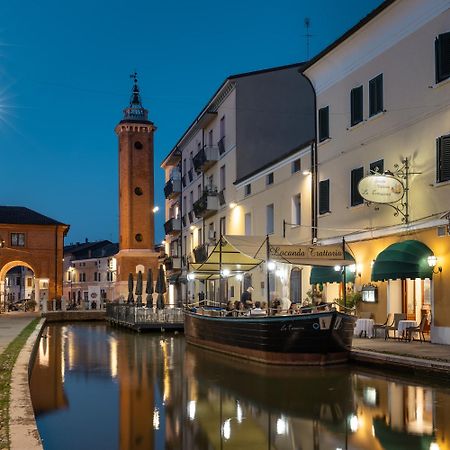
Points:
[[317, 338]]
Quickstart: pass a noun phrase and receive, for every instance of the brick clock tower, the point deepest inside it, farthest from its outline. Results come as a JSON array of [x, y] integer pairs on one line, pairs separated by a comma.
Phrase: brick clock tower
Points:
[[136, 193]]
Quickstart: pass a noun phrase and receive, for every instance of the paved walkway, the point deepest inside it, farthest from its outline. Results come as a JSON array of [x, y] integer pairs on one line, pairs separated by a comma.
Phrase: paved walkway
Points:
[[11, 324], [424, 350]]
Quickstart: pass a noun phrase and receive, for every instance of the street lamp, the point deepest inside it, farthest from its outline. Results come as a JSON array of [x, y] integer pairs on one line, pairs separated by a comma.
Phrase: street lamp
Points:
[[71, 279]]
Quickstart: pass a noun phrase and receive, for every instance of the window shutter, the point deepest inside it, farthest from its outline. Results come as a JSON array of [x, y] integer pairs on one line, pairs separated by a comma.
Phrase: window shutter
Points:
[[324, 125], [356, 176], [356, 105], [377, 166], [376, 95], [324, 196], [443, 159], [442, 52]]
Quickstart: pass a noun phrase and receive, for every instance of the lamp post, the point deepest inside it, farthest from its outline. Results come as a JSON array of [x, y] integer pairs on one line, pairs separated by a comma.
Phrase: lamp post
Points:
[[70, 279]]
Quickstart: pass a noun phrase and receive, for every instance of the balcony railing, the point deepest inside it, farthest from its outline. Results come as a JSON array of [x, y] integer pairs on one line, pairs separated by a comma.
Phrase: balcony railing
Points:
[[200, 253], [173, 263], [172, 188], [206, 158], [172, 226], [207, 204]]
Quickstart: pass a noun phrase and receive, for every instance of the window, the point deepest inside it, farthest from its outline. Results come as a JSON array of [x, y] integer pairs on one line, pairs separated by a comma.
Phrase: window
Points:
[[191, 199], [222, 226], [199, 236], [185, 206], [248, 224], [17, 239], [247, 189], [324, 123], [269, 178], [222, 178], [269, 219], [191, 160], [356, 105], [222, 127], [377, 166], [296, 166], [376, 95], [442, 55], [296, 209], [443, 159], [199, 191], [356, 176], [95, 276], [324, 196], [184, 166], [210, 138]]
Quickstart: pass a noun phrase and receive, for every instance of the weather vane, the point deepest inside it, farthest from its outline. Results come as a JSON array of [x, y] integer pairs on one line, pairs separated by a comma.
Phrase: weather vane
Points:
[[134, 77]]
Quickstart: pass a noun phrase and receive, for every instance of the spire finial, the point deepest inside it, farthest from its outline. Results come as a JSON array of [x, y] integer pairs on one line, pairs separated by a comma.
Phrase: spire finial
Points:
[[135, 111]]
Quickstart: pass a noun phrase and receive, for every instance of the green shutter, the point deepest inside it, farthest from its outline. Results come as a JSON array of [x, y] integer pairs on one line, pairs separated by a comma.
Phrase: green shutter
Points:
[[442, 55], [324, 196], [443, 158], [324, 123], [356, 105], [356, 176], [376, 95]]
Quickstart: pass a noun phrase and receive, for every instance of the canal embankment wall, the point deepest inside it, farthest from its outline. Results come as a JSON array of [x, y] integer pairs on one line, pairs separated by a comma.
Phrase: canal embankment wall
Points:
[[74, 316], [23, 431]]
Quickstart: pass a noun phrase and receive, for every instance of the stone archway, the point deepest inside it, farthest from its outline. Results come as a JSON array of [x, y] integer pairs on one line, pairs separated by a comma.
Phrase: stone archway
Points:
[[3, 273]]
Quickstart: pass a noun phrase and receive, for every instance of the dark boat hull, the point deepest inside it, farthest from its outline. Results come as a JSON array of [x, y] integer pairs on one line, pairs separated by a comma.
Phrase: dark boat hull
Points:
[[308, 339]]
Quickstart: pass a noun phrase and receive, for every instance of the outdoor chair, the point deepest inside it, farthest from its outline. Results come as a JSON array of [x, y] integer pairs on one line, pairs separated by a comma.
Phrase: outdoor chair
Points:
[[394, 326], [419, 329], [381, 326]]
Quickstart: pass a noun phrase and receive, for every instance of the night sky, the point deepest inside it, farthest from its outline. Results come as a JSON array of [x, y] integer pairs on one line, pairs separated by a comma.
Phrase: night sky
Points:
[[64, 81]]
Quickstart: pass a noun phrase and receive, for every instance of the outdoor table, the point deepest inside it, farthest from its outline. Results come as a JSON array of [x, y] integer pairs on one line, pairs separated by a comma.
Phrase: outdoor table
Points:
[[364, 326], [403, 325]]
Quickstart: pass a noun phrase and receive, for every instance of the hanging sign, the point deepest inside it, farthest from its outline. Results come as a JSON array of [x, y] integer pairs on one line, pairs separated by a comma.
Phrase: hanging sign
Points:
[[308, 254], [381, 189]]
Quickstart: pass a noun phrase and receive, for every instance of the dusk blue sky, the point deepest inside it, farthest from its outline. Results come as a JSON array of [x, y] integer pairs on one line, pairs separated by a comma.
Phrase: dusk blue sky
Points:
[[64, 81]]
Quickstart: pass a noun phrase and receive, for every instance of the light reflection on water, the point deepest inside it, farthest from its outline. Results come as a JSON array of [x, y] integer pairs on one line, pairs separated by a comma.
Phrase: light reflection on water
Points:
[[94, 387]]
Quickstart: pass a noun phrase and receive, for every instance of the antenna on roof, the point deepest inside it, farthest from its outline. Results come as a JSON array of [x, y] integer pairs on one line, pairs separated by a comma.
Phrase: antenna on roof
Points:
[[308, 35]]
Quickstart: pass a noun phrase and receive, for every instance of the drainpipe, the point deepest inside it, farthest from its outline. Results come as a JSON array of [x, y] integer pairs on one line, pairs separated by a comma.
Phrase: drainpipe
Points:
[[314, 167]]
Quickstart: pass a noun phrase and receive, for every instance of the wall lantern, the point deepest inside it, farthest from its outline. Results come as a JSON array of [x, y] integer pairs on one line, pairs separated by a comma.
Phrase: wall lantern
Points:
[[432, 261]]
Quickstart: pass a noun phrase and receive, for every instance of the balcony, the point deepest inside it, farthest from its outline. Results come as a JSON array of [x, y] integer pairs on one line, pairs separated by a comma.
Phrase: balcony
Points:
[[172, 226], [172, 188], [206, 158], [200, 253], [173, 263], [207, 204]]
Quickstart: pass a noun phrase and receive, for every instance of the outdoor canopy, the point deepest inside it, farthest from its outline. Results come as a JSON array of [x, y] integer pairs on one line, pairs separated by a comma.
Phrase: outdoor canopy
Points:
[[243, 253], [327, 274], [402, 260]]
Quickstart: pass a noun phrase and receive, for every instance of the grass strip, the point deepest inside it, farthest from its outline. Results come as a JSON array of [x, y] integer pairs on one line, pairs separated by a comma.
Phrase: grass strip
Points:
[[7, 360]]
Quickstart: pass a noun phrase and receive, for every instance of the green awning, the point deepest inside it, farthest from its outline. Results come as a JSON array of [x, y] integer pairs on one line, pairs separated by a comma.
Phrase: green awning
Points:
[[327, 274], [402, 260]]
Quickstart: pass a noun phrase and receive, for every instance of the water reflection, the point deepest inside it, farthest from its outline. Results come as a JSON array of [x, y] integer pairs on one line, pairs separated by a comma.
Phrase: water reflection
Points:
[[96, 387]]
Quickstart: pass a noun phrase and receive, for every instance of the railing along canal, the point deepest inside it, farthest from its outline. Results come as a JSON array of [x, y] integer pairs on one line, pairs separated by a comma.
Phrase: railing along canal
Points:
[[142, 318]]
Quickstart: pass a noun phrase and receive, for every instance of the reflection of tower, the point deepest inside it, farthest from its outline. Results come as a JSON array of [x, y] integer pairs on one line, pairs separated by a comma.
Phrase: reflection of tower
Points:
[[136, 192]]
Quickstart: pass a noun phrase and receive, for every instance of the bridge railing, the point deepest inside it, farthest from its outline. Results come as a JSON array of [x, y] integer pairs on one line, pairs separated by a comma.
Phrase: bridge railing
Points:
[[134, 315]]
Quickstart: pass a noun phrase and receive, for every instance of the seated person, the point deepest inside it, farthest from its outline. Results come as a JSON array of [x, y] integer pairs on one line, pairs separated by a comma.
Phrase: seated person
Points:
[[229, 308], [257, 311]]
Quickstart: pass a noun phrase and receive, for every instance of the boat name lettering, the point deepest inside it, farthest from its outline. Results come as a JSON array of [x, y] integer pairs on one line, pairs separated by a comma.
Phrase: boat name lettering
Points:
[[289, 327]]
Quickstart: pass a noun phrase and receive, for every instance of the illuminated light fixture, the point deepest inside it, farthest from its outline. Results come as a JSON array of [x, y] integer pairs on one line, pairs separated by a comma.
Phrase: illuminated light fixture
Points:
[[238, 266], [155, 209], [432, 261], [337, 268], [191, 407], [282, 426], [191, 276], [434, 446], [279, 273], [225, 272], [239, 277], [163, 242], [226, 429], [352, 268], [271, 265], [232, 205], [192, 227], [306, 172]]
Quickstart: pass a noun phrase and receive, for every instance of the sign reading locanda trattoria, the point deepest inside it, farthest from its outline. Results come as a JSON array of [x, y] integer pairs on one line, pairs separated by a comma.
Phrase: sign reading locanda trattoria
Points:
[[381, 189], [308, 254]]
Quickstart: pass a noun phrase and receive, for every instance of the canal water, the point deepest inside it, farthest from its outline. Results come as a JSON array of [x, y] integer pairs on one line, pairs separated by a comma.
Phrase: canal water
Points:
[[96, 387]]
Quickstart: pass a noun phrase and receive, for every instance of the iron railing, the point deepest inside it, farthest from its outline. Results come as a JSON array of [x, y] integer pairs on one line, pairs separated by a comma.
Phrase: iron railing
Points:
[[132, 315]]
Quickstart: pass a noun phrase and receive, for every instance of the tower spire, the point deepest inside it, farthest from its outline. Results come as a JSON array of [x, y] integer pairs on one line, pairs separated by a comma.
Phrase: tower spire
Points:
[[135, 110]]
